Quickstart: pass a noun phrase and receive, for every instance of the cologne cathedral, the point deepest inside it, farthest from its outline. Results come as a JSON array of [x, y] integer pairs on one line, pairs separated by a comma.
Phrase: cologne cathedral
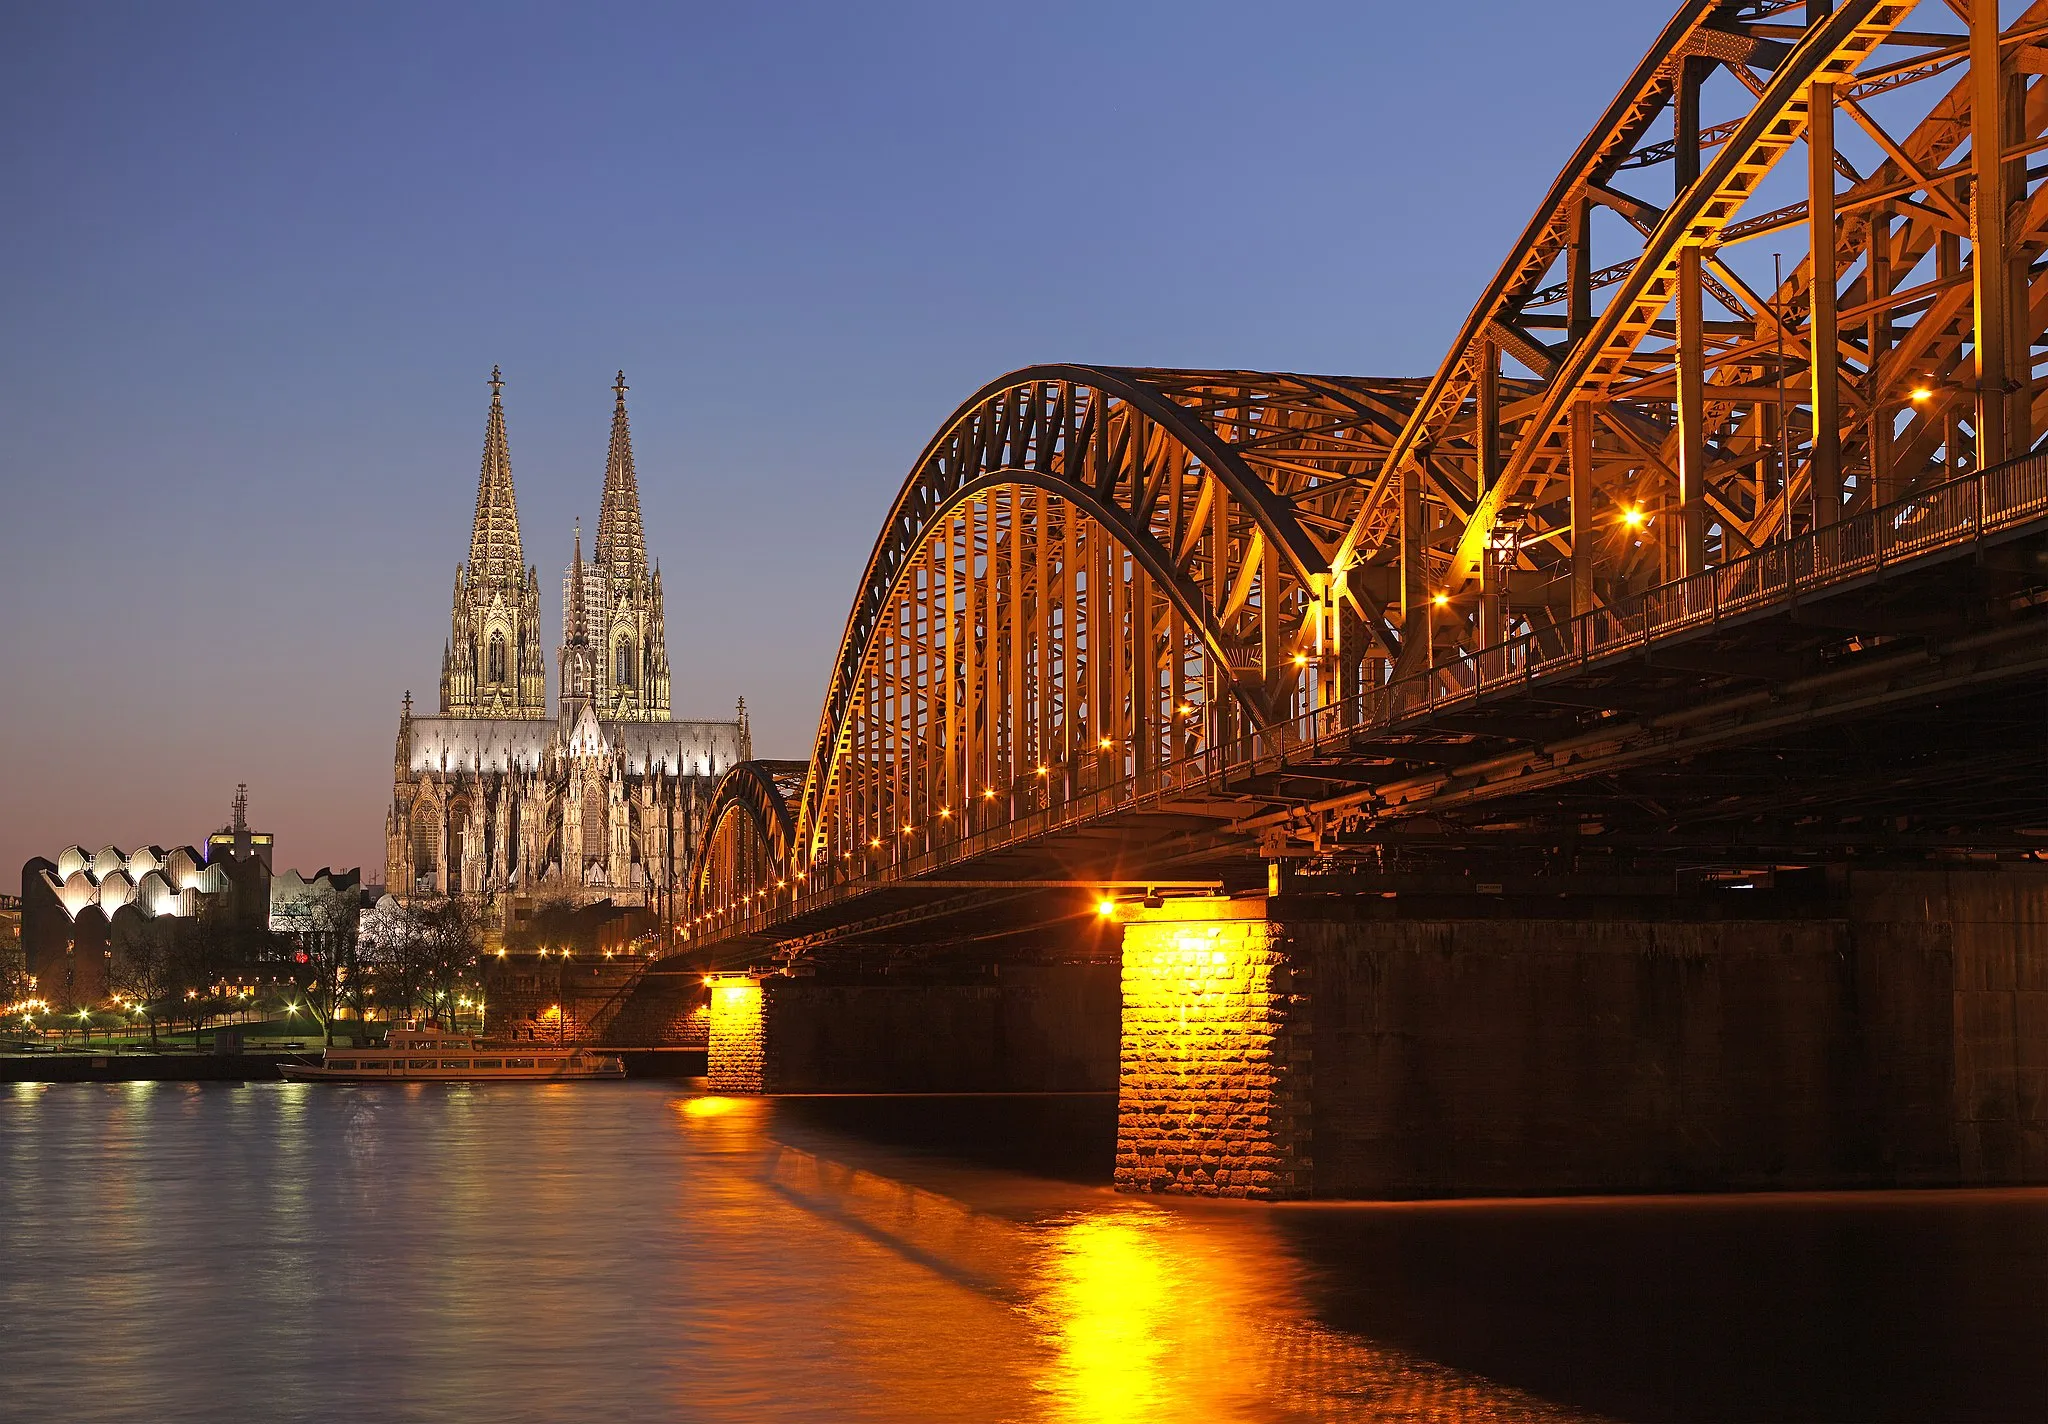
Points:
[[498, 800]]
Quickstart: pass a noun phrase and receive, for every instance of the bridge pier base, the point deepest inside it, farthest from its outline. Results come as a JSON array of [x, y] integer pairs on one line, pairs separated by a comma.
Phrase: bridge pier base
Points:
[[1878, 1028], [1215, 1080], [735, 1056], [1018, 1028]]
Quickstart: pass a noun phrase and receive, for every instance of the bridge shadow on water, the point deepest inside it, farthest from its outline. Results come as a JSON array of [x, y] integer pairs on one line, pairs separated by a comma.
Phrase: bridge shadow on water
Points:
[[1064, 1137], [1839, 1306]]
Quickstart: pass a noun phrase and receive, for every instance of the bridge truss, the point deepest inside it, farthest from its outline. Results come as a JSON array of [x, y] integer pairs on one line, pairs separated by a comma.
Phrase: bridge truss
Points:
[[1779, 307]]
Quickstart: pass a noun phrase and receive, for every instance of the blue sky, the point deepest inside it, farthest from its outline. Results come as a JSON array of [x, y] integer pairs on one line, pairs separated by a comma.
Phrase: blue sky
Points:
[[258, 262]]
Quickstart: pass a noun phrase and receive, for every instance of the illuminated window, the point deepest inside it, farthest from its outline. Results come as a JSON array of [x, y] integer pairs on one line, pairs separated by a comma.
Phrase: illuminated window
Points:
[[497, 657], [624, 677]]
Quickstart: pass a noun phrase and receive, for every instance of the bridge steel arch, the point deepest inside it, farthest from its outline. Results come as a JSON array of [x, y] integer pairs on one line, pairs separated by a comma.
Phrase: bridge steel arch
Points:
[[1635, 397], [1640, 394], [747, 838], [1088, 571]]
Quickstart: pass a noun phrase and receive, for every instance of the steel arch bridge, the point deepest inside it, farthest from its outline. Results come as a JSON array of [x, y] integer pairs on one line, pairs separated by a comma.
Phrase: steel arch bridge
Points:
[[1099, 585]]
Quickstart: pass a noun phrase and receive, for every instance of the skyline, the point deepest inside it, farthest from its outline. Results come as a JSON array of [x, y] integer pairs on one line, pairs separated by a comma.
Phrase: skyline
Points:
[[267, 262]]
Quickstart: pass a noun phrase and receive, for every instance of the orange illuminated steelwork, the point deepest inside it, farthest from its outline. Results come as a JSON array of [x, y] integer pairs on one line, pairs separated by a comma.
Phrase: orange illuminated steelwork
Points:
[[1113, 577]]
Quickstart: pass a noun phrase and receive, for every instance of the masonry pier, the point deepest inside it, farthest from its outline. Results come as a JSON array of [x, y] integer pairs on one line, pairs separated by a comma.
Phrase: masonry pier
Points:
[[1848, 1028]]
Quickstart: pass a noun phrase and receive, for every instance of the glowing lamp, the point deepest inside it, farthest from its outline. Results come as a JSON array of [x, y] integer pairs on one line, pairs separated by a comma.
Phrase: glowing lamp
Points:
[[1439, 600], [1919, 393], [988, 793], [1105, 908]]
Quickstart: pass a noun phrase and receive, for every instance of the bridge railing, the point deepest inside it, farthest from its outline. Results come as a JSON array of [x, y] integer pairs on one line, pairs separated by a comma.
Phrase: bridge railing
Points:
[[1942, 516]]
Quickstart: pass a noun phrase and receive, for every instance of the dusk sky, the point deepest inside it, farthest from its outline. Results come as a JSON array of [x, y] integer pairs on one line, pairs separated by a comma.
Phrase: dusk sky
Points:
[[259, 260]]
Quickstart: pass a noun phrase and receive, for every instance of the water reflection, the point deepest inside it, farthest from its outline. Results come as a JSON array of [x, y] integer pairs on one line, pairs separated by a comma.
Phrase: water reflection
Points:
[[521, 1252]]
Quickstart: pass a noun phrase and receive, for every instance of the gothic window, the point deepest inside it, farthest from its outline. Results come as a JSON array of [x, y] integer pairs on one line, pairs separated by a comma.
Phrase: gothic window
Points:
[[458, 841], [497, 657], [596, 843], [426, 838], [624, 678]]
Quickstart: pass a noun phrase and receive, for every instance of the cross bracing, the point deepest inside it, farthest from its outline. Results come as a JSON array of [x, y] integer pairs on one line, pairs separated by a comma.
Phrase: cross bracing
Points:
[[1785, 297]]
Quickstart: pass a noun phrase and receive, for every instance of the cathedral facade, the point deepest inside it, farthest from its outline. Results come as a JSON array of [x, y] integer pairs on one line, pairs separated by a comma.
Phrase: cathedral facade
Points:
[[496, 798]]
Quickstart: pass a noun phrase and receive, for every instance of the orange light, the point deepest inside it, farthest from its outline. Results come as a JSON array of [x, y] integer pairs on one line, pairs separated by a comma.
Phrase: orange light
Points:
[[1186, 710], [875, 842], [1919, 393], [1439, 600], [1632, 516], [945, 813], [1107, 744], [908, 829], [988, 793], [1301, 659], [1041, 771], [1105, 908]]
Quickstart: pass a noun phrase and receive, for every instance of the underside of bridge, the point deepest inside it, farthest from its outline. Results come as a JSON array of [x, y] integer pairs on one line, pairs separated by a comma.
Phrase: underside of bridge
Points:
[[1634, 733]]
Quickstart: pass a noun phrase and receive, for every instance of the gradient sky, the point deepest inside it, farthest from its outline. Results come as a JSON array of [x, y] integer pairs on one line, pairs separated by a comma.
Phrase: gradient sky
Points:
[[257, 262]]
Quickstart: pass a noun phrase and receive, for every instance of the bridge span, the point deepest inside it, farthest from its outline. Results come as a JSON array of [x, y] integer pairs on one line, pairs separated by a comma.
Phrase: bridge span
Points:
[[1618, 759]]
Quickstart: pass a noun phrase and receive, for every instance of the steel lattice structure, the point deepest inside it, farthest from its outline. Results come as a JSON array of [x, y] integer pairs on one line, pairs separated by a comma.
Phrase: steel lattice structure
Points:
[[1093, 575]]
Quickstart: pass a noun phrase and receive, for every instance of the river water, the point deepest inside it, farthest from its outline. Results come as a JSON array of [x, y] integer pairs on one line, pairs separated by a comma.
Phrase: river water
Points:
[[641, 1251]]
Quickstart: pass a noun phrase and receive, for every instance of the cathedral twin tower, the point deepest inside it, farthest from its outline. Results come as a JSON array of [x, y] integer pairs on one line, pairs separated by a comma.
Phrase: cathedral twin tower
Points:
[[614, 653], [493, 798]]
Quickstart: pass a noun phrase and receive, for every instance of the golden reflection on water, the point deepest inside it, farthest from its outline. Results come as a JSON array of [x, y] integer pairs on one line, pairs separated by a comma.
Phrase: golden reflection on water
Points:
[[1108, 1295], [1123, 1310]]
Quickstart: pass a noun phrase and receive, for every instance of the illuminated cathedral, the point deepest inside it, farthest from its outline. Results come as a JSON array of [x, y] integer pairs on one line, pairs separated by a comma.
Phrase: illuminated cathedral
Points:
[[499, 800]]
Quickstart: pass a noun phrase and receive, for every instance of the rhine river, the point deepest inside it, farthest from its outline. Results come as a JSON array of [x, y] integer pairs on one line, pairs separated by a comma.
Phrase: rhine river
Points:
[[639, 1251]]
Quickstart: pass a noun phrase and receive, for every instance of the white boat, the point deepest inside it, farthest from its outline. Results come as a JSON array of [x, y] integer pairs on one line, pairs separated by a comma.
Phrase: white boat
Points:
[[426, 1055]]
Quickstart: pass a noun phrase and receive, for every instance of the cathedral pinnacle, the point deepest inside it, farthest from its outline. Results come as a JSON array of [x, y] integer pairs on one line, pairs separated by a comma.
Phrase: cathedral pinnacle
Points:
[[578, 632], [495, 556], [621, 548]]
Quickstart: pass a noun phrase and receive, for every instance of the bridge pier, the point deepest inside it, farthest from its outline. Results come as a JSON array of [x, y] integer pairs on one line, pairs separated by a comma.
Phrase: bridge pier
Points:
[[1012, 1028], [1878, 1029]]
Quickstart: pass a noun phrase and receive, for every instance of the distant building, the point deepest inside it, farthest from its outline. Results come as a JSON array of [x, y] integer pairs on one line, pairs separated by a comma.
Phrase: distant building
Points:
[[500, 801], [72, 906], [235, 840]]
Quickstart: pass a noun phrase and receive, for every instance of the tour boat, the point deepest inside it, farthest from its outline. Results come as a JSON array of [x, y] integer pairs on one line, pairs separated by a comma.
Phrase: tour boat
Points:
[[416, 1055]]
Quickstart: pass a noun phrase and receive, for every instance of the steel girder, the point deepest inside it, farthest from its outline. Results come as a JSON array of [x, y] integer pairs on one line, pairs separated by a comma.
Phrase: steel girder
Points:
[[747, 833], [1635, 396], [1640, 393], [1211, 499]]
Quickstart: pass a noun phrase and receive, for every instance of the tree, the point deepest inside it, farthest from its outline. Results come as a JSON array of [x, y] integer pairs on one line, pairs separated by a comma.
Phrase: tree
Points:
[[14, 980], [144, 960], [322, 924], [455, 932], [396, 954]]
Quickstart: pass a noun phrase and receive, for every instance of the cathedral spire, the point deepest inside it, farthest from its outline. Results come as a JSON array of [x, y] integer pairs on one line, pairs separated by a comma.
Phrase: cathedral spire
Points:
[[621, 548], [578, 629], [494, 552]]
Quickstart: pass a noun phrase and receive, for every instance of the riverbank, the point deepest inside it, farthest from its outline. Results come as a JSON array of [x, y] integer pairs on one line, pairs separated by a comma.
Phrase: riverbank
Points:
[[79, 1065]]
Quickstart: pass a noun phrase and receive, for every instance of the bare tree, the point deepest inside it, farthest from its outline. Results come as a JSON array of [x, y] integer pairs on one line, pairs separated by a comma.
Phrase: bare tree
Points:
[[145, 962], [323, 925]]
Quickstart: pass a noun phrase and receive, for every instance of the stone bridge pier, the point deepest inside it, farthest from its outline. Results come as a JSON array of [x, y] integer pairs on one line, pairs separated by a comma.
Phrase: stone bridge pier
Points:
[[1864, 1028]]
